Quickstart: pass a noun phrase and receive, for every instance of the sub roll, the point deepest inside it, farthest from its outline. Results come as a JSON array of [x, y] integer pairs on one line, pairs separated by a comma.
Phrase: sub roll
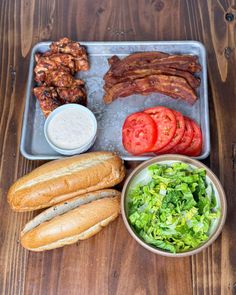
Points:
[[63, 179], [71, 221]]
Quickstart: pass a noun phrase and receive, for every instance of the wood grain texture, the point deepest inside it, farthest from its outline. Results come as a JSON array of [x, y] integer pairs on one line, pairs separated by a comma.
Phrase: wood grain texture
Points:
[[111, 262]]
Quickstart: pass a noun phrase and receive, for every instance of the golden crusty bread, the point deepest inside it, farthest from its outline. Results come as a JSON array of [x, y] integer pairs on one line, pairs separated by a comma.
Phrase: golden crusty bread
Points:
[[76, 219], [63, 179]]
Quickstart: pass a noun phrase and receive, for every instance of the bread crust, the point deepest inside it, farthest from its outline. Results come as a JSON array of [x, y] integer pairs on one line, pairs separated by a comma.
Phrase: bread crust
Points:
[[78, 219], [63, 179]]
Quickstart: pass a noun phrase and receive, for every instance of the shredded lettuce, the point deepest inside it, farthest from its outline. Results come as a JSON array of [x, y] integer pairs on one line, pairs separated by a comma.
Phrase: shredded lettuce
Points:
[[175, 210]]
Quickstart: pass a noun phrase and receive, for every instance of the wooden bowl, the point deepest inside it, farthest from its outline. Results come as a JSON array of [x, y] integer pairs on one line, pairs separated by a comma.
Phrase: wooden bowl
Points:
[[140, 174]]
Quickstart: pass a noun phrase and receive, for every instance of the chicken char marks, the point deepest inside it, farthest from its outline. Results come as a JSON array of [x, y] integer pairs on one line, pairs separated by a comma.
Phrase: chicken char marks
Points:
[[48, 99], [54, 72], [46, 64], [52, 97], [147, 72], [74, 94], [78, 52], [61, 78]]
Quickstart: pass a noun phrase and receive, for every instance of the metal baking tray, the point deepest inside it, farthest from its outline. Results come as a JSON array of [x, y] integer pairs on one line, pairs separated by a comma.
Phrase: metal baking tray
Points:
[[111, 117]]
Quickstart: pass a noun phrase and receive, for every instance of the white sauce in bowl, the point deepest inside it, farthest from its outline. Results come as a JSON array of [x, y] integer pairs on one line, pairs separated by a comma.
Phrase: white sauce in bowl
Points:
[[71, 128]]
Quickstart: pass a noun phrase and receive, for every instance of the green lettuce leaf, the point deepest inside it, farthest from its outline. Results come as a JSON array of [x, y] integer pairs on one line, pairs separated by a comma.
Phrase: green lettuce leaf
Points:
[[175, 210]]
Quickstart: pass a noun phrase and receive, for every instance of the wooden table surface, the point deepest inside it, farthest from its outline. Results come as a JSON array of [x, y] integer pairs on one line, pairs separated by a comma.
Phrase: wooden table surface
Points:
[[112, 262]]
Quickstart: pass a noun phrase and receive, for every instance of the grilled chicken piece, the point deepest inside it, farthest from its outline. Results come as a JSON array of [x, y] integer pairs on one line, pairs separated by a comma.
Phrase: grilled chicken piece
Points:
[[173, 86], [45, 63], [61, 78], [65, 60], [45, 66], [73, 48], [75, 94], [53, 73], [52, 97], [48, 99]]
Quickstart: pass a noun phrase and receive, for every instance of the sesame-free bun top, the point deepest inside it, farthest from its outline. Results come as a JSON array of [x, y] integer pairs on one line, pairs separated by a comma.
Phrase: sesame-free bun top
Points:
[[62, 179]]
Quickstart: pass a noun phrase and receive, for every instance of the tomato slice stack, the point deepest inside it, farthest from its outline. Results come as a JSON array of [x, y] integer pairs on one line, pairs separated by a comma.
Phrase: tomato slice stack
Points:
[[180, 128], [163, 131], [166, 126], [186, 139], [195, 147], [139, 133]]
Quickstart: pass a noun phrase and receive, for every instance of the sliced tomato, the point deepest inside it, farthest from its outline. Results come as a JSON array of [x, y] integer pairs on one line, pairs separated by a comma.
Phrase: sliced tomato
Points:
[[186, 139], [180, 128], [139, 133], [166, 125], [195, 147]]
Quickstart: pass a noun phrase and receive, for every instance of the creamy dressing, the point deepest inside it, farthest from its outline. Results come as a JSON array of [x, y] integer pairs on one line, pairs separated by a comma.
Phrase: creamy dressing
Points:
[[71, 129]]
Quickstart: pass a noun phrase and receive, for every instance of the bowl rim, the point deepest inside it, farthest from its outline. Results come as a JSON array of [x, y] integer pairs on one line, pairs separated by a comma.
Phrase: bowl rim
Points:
[[61, 109], [214, 179]]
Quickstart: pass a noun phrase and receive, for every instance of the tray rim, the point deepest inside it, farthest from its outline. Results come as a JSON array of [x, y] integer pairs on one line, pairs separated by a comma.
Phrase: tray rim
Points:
[[126, 158]]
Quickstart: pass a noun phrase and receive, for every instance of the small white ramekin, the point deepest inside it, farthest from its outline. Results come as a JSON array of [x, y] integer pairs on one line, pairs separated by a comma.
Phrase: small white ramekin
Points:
[[81, 149]]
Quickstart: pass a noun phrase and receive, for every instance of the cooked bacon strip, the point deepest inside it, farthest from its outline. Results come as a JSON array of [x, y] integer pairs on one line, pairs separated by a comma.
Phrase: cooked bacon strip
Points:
[[112, 60], [146, 72], [151, 59], [184, 63], [173, 86], [140, 73], [133, 60], [142, 57]]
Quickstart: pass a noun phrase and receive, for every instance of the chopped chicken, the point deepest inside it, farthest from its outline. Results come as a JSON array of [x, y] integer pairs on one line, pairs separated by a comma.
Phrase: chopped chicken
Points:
[[45, 64], [54, 72], [48, 99], [75, 94], [73, 48], [61, 78]]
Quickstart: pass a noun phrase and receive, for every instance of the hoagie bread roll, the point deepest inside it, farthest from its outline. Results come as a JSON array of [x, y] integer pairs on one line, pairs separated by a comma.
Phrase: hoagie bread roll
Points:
[[68, 222], [63, 179]]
